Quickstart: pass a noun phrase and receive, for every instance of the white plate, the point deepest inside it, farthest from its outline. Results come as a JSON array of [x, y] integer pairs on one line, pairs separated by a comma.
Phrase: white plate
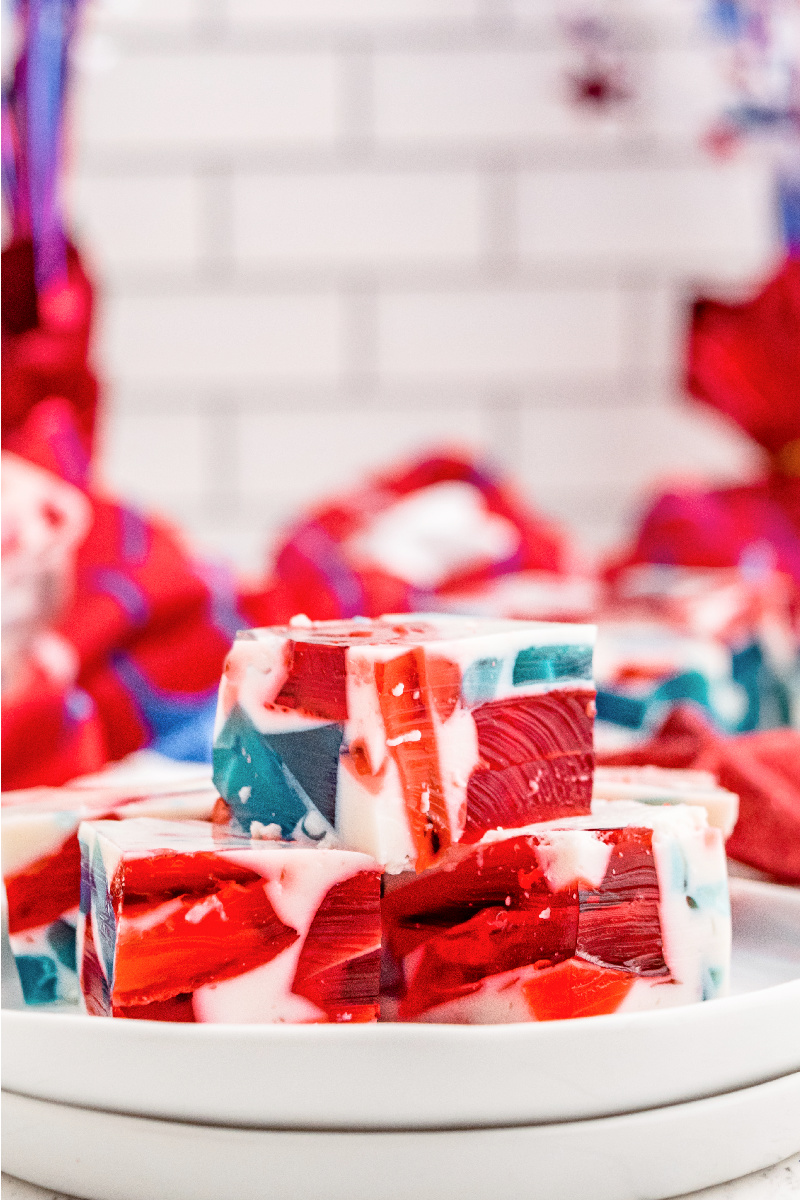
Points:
[[434, 1076], [641, 1156]]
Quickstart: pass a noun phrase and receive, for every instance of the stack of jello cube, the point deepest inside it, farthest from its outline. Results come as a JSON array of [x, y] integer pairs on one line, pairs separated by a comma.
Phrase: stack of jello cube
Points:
[[405, 828]]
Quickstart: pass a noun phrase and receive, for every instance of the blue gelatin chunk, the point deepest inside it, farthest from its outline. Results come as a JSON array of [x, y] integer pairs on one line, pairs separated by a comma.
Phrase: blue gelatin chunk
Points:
[[545, 663], [480, 680], [633, 712], [258, 785], [86, 881], [38, 975], [312, 758], [103, 913], [747, 667], [712, 982], [62, 937], [621, 710], [768, 698], [690, 685]]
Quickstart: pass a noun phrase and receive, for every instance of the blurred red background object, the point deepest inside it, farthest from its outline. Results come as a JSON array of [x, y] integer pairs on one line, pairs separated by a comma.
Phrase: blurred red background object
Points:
[[744, 361], [46, 357], [405, 537], [762, 768]]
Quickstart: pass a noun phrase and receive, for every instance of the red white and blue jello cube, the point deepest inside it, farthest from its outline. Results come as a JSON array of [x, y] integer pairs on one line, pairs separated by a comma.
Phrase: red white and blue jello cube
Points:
[[187, 922], [666, 785], [541, 924], [405, 735], [41, 867]]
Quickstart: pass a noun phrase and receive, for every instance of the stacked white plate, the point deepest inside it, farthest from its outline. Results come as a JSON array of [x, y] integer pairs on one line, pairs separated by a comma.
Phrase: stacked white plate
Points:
[[626, 1107]]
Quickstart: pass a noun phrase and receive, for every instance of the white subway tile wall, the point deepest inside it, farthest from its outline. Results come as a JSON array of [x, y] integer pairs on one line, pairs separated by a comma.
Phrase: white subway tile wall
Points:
[[166, 234], [332, 232], [358, 218], [502, 334], [209, 102], [221, 335]]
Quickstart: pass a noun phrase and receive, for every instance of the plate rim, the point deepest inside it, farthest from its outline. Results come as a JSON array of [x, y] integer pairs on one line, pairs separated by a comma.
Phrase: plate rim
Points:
[[543, 1146], [513, 1061], [353, 1131]]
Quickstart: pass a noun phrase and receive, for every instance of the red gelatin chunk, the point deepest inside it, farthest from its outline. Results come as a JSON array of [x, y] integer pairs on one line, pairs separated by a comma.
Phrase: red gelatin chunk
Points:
[[619, 923], [177, 1008], [488, 910], [411, 739], [576, 989], [93, 982], [534, 727], [191, 941], [317, 681], [348, 991], [541, 790], [484, 911], [45, 889], [170, 873], [454, 962], [339, 965], [468, 880], [536, 761], [441, 682]]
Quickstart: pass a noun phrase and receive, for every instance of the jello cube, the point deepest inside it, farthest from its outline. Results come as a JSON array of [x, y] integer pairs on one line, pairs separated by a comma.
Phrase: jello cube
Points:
[[643, 667], [407, 734], [540, 924], [667, 785], [183, 921], [41, 868]]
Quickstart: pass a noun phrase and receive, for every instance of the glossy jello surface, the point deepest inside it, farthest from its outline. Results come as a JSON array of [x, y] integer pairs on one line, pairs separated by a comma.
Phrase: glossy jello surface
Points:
[[524, 902], [41, 868], [405, 735], [189, 923]]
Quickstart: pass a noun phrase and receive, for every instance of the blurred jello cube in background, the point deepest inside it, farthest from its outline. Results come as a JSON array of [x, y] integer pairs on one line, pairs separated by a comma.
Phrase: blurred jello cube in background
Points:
[[662, 785]]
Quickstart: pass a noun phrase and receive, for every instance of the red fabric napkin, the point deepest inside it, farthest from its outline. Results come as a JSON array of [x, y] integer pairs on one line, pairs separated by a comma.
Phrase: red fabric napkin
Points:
[[744, 361], [762, 768], [324, 568]]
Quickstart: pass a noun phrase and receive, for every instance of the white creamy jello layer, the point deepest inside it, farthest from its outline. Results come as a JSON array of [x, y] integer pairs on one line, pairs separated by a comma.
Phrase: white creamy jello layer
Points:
[[665, 785]]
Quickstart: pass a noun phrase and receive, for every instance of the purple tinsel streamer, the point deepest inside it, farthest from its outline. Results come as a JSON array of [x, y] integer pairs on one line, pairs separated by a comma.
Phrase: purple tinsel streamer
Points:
[[10, 151], [33, 126], [49, 26]]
